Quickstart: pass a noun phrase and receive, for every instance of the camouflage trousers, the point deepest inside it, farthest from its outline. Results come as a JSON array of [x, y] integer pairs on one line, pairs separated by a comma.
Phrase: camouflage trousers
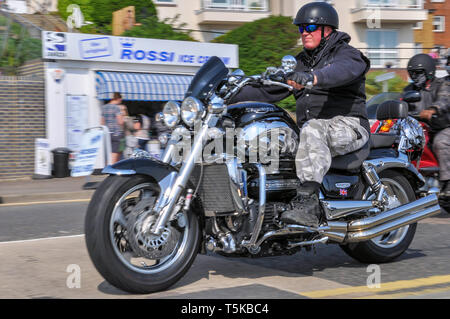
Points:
[[321, 140], [441, 147]]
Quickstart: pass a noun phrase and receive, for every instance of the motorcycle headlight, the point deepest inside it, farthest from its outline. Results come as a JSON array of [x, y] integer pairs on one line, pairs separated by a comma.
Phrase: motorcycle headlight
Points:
[[191, 110], [171, 113]]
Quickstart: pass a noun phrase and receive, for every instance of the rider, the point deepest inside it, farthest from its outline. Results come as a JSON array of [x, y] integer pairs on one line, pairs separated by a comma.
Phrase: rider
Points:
[[434, 107], [332, 113]]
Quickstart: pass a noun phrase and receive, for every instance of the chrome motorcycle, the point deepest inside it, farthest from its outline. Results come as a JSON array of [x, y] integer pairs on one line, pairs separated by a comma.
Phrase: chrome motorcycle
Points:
[[149, 219]]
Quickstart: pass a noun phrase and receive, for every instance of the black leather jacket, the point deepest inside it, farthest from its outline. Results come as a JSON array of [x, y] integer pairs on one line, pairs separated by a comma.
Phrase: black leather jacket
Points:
[[437, 97], [340, 70]]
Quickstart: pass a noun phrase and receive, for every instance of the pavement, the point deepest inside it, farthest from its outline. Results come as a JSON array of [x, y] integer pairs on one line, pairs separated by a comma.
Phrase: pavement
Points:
[[39, 190]]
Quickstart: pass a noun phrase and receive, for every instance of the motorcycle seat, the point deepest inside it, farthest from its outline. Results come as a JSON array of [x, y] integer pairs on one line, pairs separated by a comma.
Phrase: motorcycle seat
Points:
[[351, 161], [381, 140]]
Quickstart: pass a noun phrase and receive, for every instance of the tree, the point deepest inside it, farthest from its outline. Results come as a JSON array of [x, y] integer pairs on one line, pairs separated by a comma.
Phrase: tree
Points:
[[396, 84], [153, 28], [100, 11], [263, 43], [18, 47]]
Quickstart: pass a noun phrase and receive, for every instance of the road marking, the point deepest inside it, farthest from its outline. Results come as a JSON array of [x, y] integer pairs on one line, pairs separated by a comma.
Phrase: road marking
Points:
[[38, 239], [46, 202], [390, 286], [409, 293]]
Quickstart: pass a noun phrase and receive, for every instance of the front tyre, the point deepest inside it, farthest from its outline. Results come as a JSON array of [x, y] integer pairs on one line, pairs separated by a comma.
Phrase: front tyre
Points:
[[389, 246], [129, 260]]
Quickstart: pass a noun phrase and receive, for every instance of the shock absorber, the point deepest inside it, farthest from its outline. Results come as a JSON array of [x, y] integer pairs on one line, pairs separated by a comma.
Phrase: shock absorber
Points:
[[374, 181]]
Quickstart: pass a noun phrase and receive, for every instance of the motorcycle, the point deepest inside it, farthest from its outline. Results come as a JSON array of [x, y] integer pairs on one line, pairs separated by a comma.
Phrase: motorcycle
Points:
[[426, 163], [149, 219]]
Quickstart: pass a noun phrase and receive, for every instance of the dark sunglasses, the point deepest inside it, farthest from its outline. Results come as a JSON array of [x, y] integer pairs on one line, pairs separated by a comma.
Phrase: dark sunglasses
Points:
[[309, 28], [416, 72]]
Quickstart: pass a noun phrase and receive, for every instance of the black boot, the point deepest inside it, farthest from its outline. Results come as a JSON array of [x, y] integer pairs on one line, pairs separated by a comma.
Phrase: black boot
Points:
[[445, 189], [305, 206]]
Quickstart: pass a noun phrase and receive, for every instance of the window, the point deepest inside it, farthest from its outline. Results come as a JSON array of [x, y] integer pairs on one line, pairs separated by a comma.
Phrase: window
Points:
[[438, 24], [418, 48], [382, 47], [418, 26], [236, 4], [164, 1]]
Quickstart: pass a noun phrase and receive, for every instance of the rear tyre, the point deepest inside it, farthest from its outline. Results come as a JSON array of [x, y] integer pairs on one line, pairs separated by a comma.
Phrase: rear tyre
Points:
[[389, 246]]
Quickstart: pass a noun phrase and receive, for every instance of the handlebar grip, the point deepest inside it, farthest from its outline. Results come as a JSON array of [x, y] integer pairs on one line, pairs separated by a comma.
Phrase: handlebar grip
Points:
[[277, 77]]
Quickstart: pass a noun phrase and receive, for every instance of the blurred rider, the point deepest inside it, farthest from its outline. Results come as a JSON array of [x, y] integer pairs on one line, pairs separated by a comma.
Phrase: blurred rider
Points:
[[433, 108]]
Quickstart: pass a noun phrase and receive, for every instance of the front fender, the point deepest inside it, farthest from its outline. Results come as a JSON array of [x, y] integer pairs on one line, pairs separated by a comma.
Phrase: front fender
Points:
[[161, 172], [145, 166]]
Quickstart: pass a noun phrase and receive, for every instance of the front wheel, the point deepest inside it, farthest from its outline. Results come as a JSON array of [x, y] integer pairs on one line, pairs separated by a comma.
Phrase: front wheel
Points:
[[127, 257], [389, 246]]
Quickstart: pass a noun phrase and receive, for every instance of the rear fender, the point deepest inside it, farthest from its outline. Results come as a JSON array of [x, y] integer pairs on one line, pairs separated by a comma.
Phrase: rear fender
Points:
[[402, 165]]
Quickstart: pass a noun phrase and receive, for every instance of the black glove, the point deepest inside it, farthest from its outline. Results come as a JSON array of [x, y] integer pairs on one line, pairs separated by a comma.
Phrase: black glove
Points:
[[279, 76], [301, 77]]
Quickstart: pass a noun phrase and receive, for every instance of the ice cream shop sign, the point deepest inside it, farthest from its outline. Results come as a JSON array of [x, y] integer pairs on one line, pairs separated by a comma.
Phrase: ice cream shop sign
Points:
[[78, 46]]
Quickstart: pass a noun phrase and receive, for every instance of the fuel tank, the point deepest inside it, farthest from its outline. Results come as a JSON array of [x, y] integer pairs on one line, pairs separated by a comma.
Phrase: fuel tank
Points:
[[265, 125]]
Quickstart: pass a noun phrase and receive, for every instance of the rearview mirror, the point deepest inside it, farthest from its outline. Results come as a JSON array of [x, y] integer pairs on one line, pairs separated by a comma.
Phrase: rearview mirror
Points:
[[288, 63], [411, 96]]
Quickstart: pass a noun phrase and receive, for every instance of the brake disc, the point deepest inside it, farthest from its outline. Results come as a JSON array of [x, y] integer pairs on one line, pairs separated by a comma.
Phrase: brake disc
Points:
[[145, 243]]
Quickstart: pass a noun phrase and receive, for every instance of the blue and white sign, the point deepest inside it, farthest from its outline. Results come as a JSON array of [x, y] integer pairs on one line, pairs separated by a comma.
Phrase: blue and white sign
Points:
[[96, 48], [90, 47], [90, 147], [77, 113], [42, 161]]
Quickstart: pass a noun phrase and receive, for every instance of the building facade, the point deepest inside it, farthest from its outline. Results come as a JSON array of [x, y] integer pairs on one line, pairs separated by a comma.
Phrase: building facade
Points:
[[382, 29], [432, 33], [82, 71], [30, 6]]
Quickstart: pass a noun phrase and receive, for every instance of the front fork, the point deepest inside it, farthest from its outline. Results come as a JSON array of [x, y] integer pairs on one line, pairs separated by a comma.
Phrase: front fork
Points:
[[166, 204]]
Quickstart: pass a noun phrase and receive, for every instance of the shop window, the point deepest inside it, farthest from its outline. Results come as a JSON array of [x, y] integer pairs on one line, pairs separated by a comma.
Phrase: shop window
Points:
[[439, 24], [382, 47]]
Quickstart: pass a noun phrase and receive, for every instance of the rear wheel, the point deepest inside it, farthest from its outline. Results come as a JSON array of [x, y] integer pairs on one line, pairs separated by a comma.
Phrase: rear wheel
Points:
[[389, 246]]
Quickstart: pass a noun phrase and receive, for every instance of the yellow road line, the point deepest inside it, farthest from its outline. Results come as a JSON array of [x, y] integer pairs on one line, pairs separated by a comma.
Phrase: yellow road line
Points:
[[46, 202], [389, 286], [409, 293]]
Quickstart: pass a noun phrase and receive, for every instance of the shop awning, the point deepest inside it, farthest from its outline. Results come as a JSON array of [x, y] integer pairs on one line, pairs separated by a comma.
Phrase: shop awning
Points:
[[142, 86]]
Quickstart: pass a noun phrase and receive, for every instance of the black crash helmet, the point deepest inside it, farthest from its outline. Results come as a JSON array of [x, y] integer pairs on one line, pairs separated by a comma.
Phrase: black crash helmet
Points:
[[424, 62], [320, 13]]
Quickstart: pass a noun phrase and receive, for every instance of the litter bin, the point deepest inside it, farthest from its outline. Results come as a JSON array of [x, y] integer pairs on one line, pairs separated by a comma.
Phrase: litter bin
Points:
[[61, 162]]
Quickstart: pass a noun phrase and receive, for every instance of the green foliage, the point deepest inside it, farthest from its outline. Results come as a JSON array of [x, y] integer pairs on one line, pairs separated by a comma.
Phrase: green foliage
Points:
[[263, 43], [373, 88], [86, 7], [18, 48], [152, 28], [100, 11]]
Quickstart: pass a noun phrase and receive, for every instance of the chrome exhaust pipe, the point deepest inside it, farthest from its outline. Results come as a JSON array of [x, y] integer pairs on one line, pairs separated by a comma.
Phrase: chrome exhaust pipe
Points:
[[393, 214], [376, 231], [371, 227], [335, 209]]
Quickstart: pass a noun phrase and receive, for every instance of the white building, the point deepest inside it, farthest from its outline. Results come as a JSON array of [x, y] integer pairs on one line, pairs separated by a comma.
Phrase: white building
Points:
[[382, 29], [31, 6], [82, 71]]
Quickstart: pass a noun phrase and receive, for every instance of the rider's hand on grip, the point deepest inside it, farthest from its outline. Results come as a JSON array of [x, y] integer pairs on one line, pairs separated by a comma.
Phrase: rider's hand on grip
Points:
[[302, 78], [279, 76]]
